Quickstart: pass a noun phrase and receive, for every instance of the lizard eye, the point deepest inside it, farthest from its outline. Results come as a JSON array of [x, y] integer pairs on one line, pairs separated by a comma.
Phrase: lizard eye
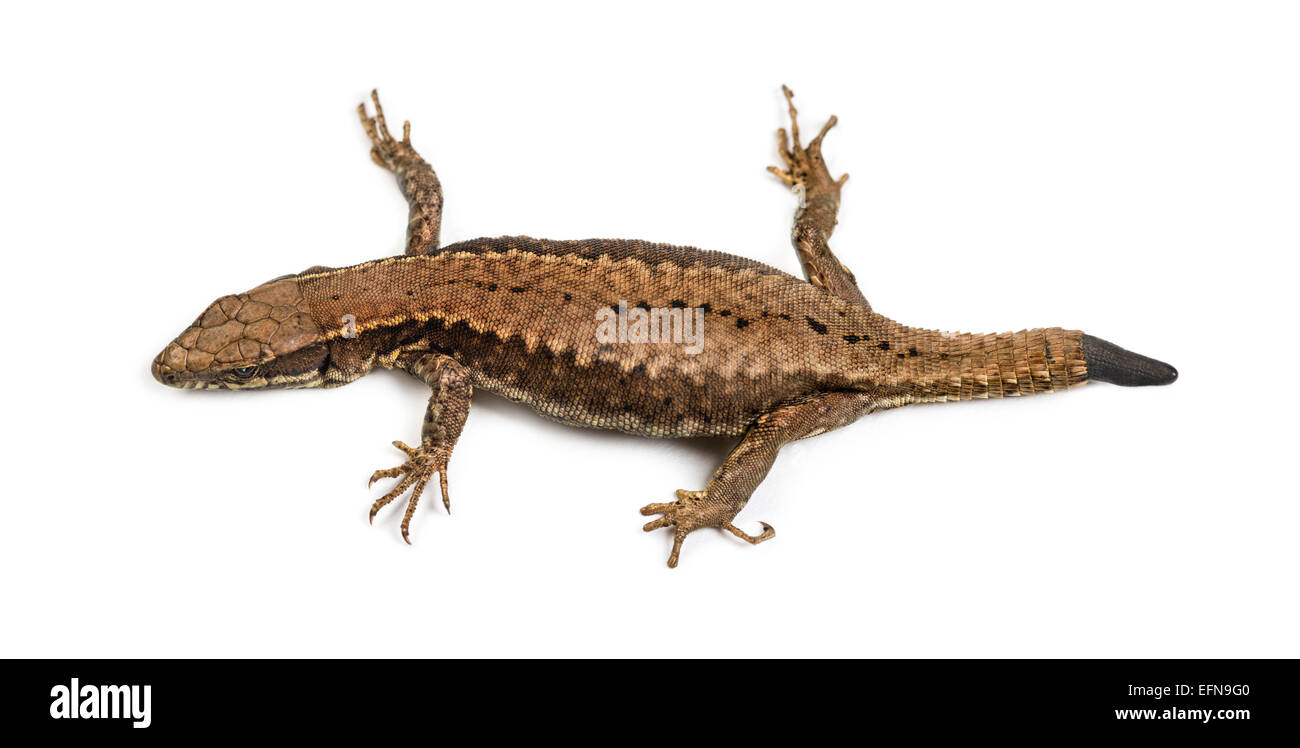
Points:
[[245, 372]]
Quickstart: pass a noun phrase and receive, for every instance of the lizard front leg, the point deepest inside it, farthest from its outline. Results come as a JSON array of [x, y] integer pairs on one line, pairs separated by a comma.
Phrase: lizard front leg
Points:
[[417, 180], [443, 421], [735, 480], [807, 175]]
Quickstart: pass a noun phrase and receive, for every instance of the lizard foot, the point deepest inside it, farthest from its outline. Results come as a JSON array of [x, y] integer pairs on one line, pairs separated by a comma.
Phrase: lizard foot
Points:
[[693, 510], [805, 169], [422, 462], [387, 151]]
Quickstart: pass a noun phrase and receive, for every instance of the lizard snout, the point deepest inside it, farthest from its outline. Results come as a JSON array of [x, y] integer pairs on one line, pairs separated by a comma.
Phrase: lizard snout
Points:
[[164, 373], [166, 376]]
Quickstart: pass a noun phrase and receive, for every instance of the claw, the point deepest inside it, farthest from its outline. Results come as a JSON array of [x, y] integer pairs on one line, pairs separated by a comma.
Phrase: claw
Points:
[[381, 474], [421, 464], [767, 534], [442, 483]]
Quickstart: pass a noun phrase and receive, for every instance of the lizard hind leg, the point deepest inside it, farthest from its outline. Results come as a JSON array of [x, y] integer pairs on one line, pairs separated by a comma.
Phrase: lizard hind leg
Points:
[[735, 480], [416, 178], [818, 192]]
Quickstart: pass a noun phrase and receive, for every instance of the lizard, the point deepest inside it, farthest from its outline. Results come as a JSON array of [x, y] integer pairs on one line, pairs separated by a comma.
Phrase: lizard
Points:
[[781, 358]]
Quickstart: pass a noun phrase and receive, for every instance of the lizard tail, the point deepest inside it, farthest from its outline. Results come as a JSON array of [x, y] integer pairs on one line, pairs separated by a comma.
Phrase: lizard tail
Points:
[[967, 366], [1108, 362]]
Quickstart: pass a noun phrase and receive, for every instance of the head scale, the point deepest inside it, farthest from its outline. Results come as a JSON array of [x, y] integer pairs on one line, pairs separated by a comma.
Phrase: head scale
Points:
[[260, 339]]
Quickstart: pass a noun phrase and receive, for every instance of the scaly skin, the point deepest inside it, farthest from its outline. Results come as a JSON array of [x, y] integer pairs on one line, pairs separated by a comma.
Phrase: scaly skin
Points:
[[781, 358]]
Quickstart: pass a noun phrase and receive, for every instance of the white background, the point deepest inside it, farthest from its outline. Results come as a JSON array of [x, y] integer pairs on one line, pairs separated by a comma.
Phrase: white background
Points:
[[1127, 168]]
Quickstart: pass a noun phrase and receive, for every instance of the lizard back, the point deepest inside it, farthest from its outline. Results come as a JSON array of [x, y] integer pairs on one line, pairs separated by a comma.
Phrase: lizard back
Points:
[[522, 315]]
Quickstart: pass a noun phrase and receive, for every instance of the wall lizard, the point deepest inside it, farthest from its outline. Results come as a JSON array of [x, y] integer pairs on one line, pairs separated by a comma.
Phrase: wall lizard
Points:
[[781, 358]]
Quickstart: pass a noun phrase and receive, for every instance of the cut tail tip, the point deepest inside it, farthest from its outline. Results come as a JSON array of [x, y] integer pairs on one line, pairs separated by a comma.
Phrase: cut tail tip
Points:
[[1108, 362]]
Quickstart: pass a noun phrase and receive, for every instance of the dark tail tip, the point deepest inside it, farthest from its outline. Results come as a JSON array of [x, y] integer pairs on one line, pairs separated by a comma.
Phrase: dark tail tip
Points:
[[1108, 362]]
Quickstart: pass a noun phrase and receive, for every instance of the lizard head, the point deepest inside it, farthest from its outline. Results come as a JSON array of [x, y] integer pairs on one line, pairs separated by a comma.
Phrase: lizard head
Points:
[[261, 339]]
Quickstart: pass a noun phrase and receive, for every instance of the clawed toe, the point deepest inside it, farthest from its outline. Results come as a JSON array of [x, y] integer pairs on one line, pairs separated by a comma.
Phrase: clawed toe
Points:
[[693, 510], [386, 149], [803, 164], [381, 474], [415, 473], [767, 534], [396, 491]]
